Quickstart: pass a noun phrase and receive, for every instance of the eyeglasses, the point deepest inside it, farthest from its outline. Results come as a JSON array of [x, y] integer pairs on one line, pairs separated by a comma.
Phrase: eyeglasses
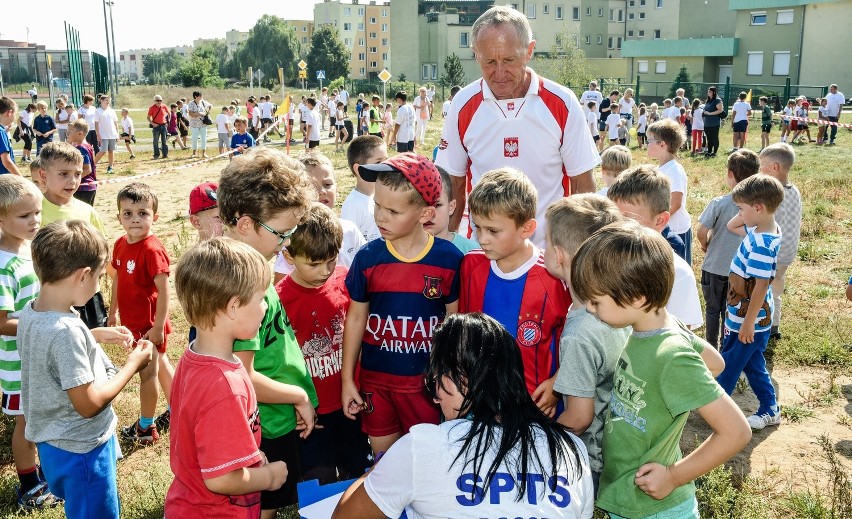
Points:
[[282, 236]]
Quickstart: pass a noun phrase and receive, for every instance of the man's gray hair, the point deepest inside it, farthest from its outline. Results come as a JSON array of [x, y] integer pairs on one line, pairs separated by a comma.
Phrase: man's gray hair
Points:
[[500, 14]]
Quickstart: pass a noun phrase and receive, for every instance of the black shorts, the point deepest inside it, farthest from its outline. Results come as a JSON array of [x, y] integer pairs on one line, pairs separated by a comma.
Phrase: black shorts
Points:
[[266, 120], [740, 126], [336, 452], [402, 147], [597, 138], [284, 448], [92, 139], [313, 144], [766, 128]]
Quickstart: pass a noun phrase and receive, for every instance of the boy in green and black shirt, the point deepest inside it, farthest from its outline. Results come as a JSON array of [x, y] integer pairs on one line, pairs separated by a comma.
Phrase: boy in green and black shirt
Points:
[[765, 121]]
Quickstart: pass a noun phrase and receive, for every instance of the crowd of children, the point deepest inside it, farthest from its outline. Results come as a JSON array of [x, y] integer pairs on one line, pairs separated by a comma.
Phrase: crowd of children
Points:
[[317, 375]]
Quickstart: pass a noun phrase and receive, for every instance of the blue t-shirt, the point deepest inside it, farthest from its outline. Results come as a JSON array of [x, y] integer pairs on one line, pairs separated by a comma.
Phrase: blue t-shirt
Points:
[[5, 147], [675, 241], [43, 124], [757, 258], [241, 139], [407, 299]]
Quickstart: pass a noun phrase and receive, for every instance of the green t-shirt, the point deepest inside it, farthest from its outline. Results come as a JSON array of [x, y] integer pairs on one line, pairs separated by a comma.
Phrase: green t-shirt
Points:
[[766, 115], [76, 210], [279, 357], [660, 378], [18, 286], [375, 120]]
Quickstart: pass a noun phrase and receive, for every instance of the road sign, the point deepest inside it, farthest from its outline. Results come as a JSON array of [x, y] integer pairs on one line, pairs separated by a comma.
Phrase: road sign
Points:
[[302, 64], [303, 74], [320, 74], [384, 75], [258, 74]]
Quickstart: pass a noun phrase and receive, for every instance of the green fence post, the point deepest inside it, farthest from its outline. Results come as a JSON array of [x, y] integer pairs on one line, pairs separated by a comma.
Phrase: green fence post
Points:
[[636, 94], [825, 91], [727, 93], [786, 91]]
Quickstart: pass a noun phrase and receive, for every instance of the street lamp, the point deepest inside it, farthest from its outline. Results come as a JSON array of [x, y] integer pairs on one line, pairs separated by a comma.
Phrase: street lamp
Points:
[[110, 3], [111, 56]]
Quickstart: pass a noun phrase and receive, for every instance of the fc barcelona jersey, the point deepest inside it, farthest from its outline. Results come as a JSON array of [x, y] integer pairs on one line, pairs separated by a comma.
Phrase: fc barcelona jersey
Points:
[[407, 298], [529, 302]]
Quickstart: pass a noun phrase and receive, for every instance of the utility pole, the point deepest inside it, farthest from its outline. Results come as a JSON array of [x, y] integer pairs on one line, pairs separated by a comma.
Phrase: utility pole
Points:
[[106, 32], [114, 55]]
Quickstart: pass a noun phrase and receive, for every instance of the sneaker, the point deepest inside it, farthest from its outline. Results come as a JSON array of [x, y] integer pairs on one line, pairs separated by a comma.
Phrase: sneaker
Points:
[[774, 333], [758, 422], [37, 498], [143, 436], [164, 420], [109, 170]]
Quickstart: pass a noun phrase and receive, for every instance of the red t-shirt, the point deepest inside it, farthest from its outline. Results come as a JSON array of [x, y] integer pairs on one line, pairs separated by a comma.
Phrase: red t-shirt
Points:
[[215, 429], [159, 113], [137, 264], [317, 316]]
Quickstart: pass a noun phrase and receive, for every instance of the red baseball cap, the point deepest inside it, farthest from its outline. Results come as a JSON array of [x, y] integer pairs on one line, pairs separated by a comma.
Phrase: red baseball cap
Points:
[[203, 197], [419, 170]]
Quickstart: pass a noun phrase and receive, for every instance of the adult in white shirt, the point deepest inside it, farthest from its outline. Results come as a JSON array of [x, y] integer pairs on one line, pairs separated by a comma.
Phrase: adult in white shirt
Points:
[[421, 106], [430, 95], [471, 466], [592, 94], [343, 97], [513, 117], [106, 128], [312, 124], [323, 106], [445, 109], [626, 105], [835, 101]]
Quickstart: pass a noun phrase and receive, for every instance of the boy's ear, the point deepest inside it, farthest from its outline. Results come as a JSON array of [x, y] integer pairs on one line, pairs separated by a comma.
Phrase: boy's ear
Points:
[[42, 174], [79, 275], [528, 228], [231, 309], [451, 206], [156, 217], [193, 220], [427, 214], [355, 170], [288, 257], [661, 220], [245, 225]]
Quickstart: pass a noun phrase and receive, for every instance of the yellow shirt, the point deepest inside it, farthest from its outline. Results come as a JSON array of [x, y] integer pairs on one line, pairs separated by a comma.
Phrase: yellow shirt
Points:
[[76, 210]]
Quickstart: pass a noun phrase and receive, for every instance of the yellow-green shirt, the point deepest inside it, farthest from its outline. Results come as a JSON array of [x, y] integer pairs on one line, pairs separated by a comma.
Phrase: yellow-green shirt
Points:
[[76, 210]]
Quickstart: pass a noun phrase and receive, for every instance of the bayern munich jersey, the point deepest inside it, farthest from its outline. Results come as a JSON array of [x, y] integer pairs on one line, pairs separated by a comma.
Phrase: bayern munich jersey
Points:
[[543, 134], [529, 302], [407, 300]]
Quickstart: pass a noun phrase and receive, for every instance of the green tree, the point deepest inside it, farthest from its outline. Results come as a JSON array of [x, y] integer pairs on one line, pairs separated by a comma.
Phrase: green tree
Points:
[[217, 52], [202, 69], [566, 62], [453, 72], [402, 77], [160, 67], [682, 80], [271, 44], [328, 53]]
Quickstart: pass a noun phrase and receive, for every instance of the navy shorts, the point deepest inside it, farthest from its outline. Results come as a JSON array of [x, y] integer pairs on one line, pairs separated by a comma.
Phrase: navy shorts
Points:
[[740, 126]]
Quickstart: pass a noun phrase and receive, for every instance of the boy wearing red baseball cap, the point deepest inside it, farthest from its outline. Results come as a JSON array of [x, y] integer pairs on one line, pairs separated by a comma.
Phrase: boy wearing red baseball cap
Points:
[[402, 286], [204, 210]]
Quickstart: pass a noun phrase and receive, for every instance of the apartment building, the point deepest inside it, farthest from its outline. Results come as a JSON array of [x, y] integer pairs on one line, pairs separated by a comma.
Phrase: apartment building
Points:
[[132, 62], [304, 32], [364, 28], [27, 62]]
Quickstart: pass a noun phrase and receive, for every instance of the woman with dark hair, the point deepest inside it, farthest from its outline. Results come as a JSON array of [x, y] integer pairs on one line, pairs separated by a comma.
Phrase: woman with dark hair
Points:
[[199, 112], [497, 455], [713, 107]]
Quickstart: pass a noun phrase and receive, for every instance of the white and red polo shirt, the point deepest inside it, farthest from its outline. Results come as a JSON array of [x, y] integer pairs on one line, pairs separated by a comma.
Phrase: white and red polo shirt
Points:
[[543, 134]]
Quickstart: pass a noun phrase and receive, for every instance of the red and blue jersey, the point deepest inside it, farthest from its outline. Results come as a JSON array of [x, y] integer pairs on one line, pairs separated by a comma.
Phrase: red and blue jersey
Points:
[[529, 302], [407, 300]]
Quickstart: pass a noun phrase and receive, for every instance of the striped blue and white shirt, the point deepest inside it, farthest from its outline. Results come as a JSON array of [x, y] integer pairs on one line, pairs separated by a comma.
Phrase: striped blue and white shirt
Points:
[[757, 257]]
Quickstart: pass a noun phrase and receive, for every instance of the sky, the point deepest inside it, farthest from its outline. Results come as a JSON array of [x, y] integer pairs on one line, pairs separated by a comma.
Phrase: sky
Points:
[[140, 23]]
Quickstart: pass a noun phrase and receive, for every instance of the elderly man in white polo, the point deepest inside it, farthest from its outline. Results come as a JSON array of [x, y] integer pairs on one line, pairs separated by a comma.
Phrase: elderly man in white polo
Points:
[[513, 117]]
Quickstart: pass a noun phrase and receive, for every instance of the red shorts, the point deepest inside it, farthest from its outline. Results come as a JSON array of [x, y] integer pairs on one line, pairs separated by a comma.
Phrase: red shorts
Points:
[[390, 412], [161, 348]]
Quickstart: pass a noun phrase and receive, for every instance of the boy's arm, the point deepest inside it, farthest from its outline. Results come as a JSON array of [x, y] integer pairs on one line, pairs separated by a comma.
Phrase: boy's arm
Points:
[[89, 400], [112, 317], [704, 236], [737, 226], [761, 286], [273, 392], [248, 480], [157, 332], [731, 433], [8, 326], [353, 332], [578, 415], [9, 164], [676, 201], [544, 397], [713, 360]]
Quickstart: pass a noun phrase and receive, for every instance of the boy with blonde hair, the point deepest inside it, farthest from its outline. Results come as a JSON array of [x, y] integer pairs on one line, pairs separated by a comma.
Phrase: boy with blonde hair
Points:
[[140, 269], [508, 281], [750, 301], [316, 301], [665, 137], [402, 287], [776, 160], [614, 160], [67, 381], [358, 207], [642, 194], [263, 196], [215, 441], [625, 273], [20, 218], [77, 131], [719, 244]]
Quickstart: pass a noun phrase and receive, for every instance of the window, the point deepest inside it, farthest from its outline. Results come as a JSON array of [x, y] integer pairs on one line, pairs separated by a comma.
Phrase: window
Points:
[[425, 71], [384, 13], [558, 12], [361, 42], [643, 67], [546, 9], [347, 26], [758, 18], [372, 19], [304, 39], [347, 11], [621, 15], [304, 28], [659, 4], [588, 39], [612, 15], [361, 56], [600, 11], [784, 17], [755, 64], [630, 16], [434, 71], [781, 63], [630, 34], [372, 35], [656, 34], [641, 3], [641, 34], [515, 7], [531, 11], [660, 67], [463, 40], [631, 3], [132, 57], [384, 56], [641, 16], [600, 39], [588, 11], [373, 50], [609, 42], [347, 42], [384, 27], [360, 26], [363, 72], [360, 11], [575, 13], [558, 41], [373, 64], [619, 43], [384, 42]]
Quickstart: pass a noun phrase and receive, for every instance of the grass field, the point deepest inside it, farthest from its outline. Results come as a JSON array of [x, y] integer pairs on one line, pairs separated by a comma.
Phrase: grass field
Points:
[[798, 470]]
